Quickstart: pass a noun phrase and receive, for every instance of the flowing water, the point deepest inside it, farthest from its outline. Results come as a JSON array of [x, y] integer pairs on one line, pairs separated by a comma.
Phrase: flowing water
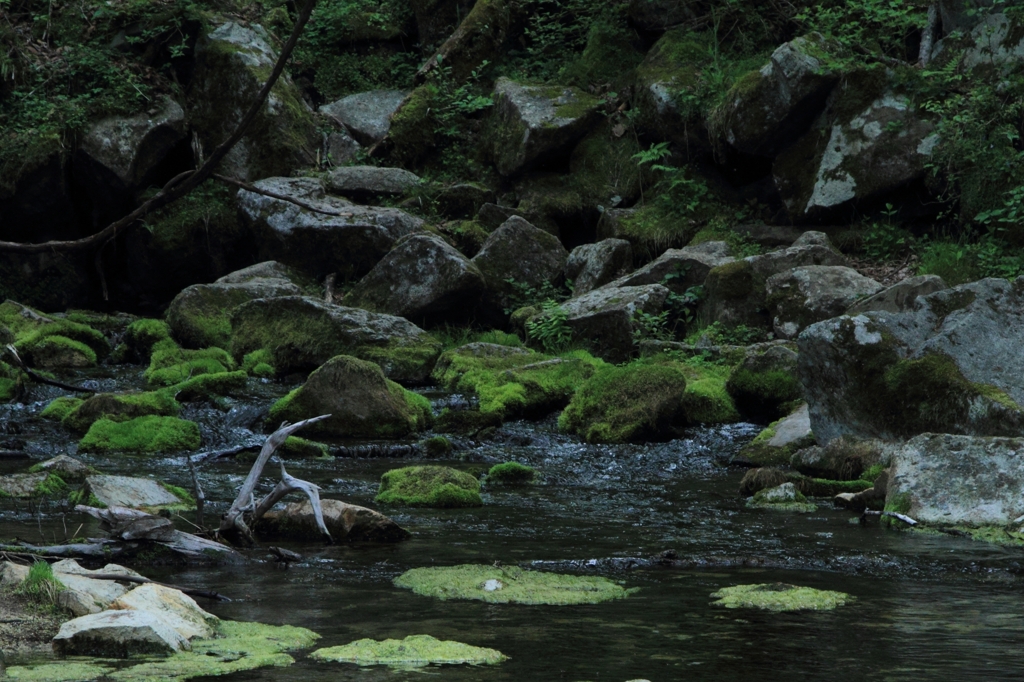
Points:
[[925, 608]]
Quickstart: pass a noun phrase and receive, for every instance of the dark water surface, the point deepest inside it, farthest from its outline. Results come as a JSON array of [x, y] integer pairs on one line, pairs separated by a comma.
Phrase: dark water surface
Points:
[[926, 607]]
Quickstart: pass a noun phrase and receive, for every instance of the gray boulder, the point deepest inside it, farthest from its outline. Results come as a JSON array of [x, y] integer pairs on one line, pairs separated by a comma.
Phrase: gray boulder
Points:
[[119, 155], [735, 291], [68, 468], [336, 238], [534, 121], [869, 141], [200, 316], [361, 401], [422, 279], [303, 333], [593, 265], [948, 479], [996, 41], [346, 522], [174, 607], [900, 296], [950, 364], [492, 216], [518, 250], [133, 493], [776, 444], [361, 181], [680, 269], [118, 634], [802, 296], [962, 15], [268, 269], [605, 318], [367, 115], [22, 486], [768, 110], [232, 63], [341, 148]]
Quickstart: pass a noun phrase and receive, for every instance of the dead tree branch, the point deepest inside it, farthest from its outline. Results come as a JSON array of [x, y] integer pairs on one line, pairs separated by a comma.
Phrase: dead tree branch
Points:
[[181, 185], [290, 484], [248, 187], [39, 378]]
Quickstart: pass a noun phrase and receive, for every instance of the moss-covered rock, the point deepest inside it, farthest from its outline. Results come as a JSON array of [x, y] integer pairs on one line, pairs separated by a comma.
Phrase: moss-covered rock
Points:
[[59, 408], [777, 443], [706, 400], [509, 584], [170, 364], [627, 403], [784, 497], [142, 335], [12, 381], [142, 434], [437, 446], [119, 407], [49, 343], [413, 651], [429, 486], [514, 381], [779, 597], [510, 473], [303, 333], [765, 385], [300, 448], [361, 402], [200, 316], [412, 126]]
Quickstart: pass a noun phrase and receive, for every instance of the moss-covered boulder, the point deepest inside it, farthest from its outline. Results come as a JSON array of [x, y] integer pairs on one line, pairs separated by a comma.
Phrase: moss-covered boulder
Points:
[[342, 238], [950, 365], [135, 493], [479, 38], [413, 651], [800, 297], [521, 252], [604, 319], [510, 473], [142, 434], [844, 459], [33, 486], [68, 468], [776, 444], [115, 407], [784, 497], [139, 339], [12, 381], [628, 403], [424, 280], [200, 316], [513, 381], [764, 385], [412, 125], [49, 342], [603, 168], [302, 333], [429, 486], [169, 364], [779, 597], [532, 122], [233, 61], [593, 265], [510, 585], [361, 401]]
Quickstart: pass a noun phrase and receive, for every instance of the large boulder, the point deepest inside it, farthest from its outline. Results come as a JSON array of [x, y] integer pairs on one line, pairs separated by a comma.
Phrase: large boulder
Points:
[[338, 237], [767, 110], [995, 42], [361, 401], [519, 251], [268, 269], [776, 444], [604, 319], [348, 522], [962, 15], [764, 385], [135, 493], [120, 155], [532, 122], [363, 181], [736, 290], [118, 634], [366, 115], [950, 364], [800, 297], [174, 607], [200, 316], [680, 269], [422, 279], [593, 265], [870, 141], [948, 479], [232, 63], [900, 296], [302, 333]]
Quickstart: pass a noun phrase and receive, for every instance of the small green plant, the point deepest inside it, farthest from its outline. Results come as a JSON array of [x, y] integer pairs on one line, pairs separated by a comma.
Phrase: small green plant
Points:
[[719, 335], [522, 294], [651, 326], [41, 584], [885, 240], [550, 328]]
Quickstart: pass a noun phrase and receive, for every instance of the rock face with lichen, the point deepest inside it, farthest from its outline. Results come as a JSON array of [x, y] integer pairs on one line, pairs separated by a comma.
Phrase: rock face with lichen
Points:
[[800, 297], [951, 364], [232, 64], [533, 121]]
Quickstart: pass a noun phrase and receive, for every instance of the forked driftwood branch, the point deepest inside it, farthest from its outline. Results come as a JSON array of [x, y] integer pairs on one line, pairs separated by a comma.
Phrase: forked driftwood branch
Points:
[[235, 522]]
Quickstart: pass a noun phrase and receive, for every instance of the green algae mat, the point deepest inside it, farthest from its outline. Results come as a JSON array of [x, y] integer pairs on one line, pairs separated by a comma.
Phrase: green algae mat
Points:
[[779, 597], [239, 646], [413, 651], [509, 585]]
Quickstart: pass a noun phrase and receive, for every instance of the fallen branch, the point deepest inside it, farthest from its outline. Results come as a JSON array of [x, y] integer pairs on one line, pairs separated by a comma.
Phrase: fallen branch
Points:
[[96, 548], [39, 378], [204, 457], [205, 594], [184, 183], [234, 521], [290, 484], [248, 187], [896, 515]]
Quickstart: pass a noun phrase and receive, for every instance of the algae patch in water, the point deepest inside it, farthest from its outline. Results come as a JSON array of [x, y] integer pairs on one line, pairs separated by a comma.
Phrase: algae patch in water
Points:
[[68, 671], [505, 585], [413, 651], [779, 597]]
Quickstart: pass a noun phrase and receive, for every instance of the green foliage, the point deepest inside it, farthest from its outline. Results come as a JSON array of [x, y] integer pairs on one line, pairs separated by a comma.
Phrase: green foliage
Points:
[[522, 294], [963, 261], [429, 486], [718, 334], [454, 337], [142, 434], [41, 584], [60, 407], [170, 364], [880, 27], [550, 329], [510, 473], [885, 240], [52, 486]]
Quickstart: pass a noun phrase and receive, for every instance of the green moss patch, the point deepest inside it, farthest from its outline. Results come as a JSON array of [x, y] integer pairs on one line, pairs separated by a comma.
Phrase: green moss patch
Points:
[[413, 651], [300, 448], [206, 386], [142, 335], [510, 473], [437, 446], [65, 671], [119, 407], [782, 498], [779, 597], [429, 486], [508, 585], [764, 392], [706, 400], [171, 364], [258, 363], [61, 407], [142, 434]]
